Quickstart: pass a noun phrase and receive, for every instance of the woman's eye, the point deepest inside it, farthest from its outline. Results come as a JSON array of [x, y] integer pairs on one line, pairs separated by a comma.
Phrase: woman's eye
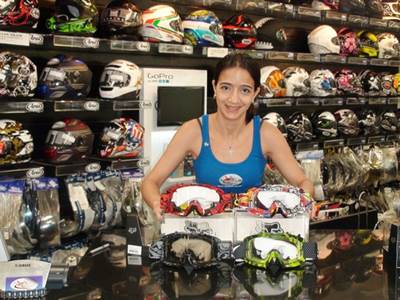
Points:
[[246, 91], [224, 87]]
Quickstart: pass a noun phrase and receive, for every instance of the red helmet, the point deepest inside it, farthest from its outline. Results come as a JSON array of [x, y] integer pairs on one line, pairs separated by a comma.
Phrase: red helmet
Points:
[[19, 13], [68, 140], [349, 42], [240, 32]]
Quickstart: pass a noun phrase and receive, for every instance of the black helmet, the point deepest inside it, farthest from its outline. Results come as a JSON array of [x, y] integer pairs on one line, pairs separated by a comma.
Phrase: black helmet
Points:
[[64, 77], [368, 122], [239, 32], [347, 122], [276, 120], [371, 82], [19, 13], [325, 124], [18, 75], [299, 127], [121, 19], [374, 8], [74, 16], [276, 34], [357, 7], [388, 122]]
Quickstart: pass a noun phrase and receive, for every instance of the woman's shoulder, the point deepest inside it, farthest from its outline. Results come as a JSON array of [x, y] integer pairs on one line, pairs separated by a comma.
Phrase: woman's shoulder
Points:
[[268, 130], [191, 127]]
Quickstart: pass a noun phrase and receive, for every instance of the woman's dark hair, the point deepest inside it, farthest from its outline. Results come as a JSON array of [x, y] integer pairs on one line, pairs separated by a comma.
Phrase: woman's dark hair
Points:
[[245, 62]]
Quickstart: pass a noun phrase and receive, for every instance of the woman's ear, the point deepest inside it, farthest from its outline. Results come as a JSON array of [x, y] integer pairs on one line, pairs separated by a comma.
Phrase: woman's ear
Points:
[[256, 93], [213, 85]]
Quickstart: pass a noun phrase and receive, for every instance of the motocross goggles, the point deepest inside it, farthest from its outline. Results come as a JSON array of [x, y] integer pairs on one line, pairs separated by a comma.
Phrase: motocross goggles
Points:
[[274, 251], [268, 200], [191, 251], [202, 199]]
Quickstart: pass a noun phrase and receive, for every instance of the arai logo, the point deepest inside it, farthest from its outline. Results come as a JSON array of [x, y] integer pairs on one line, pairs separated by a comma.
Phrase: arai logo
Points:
[[230, 180], [91, 42], [93, 168], [35, 107], [35, 172]]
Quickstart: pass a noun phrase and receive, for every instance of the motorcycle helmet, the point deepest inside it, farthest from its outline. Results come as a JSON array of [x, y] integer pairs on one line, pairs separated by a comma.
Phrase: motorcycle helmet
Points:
[[64, 77], [203, 28], [349, 43], [388, 122], [122, 138], [272, 82], [374, 8], [325, 4], [120, 79], [299, 127], [389, 85], [19, 13], [278, 35], [371, 82], [18, 75], [368, 122], [16, 143], [240, 32], [348, 83], [357, 7], [68, 140], [391, 10], [325, 124], [323, 40], [276, 120], [396, 82], [161, 23], [74, 16], [347, 122], [322, 83], [388, 45], [296, 81], [121, 19], [368, 44]]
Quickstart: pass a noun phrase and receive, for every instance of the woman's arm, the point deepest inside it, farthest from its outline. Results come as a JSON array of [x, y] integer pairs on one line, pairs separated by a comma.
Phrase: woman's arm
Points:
[[180, 145], [277, 148]]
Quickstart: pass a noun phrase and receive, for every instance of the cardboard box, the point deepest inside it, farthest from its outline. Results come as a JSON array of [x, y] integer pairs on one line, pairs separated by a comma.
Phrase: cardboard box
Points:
[[220, 225], [247, 224]]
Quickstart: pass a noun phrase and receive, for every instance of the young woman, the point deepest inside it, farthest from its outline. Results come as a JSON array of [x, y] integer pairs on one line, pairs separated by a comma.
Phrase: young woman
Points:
[[230, 147]]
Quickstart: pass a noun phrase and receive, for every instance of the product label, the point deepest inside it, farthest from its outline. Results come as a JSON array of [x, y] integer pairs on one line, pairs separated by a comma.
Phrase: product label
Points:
[[14, 38], [134, 250]]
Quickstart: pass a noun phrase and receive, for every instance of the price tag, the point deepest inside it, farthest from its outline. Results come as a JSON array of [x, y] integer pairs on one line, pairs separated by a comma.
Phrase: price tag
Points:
[[217, 52], [394, 63], [134, 260], [175, 49], [308, 57], [356, 141], [335, 16], [333, 59], [332, 101], [91, 106], [357, 60], [129, 45], [334, 143], [14, 38], [359, 20], [394, 24], [303, 11], [76, 41], [134, 250], [35, 107], [376, 139], [275, 55], [378, 62], [377, 100], [378, 22]]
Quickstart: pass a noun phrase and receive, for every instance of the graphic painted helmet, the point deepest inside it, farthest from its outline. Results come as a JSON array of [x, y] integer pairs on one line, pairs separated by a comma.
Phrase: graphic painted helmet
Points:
[[371, 82], [120, 79], [161, 23], [322, 83], [325, 124], [272, 82], [389, 85], [121, 19], [296, 81], [276, 120], [375, 8], [240, 32], [19, 13], [368, 44], [323, 40], [16, 143], [348, 83], [64, 77], [391, 10], [68, 140], [368, 122], [349, 43], [396, 82], [74, 16], [388, 122], [299, 127], [357, 7], [388, 45], [122, 138], [325, 4], [203, 28], [347, 122], [18, 75], [278, 35]]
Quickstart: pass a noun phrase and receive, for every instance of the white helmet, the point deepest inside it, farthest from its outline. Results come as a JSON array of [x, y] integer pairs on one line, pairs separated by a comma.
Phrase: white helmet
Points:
[[388, 45], [161, 23], [322, 83], [276, 120], [296, 81], [272, 82], [323, 40], [120, 79]]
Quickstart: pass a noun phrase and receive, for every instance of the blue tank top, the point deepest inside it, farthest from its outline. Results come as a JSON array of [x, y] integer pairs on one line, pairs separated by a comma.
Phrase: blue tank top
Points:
[[230, 177]]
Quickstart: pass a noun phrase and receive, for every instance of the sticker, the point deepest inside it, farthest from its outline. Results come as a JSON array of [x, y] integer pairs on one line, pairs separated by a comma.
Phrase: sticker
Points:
[[14, 38], [230, 180], [35, 172], [27, 283], [134, 250], [35, 107]]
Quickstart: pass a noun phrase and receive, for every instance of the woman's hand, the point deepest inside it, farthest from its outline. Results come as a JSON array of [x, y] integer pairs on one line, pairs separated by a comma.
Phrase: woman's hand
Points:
[[159, 213]]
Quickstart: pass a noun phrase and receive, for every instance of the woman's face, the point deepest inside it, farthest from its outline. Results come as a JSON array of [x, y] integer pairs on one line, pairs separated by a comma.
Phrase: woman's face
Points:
[[234, 92]]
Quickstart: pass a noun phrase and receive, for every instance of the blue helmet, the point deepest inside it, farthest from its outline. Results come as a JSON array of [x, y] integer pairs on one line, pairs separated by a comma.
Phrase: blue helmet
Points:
[[203, 28]]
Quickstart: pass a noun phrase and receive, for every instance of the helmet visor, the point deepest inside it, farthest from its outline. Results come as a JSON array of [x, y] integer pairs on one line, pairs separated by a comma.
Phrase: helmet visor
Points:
[[59, 138], [52, 75], [123, 17], [114, 78]]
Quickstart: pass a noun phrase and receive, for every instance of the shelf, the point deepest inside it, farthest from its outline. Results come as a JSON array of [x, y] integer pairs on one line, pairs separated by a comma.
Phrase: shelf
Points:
[[121, 163], [65, 169], [365, 219], [21, 106], [24, 170]]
